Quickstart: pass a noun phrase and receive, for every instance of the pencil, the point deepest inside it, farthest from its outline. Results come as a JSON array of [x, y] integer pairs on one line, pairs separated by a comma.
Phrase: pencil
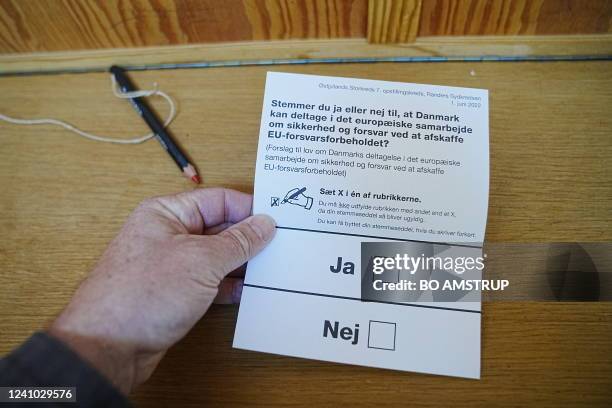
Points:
[[294, 195], [151, 119]]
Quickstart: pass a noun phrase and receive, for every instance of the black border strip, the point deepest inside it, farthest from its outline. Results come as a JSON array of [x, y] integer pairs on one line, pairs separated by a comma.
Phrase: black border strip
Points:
[[378, 237], [299, 292], [304, 61]]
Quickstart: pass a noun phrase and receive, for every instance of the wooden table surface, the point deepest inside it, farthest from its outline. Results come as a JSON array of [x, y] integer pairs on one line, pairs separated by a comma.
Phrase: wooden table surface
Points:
[[63, 198]]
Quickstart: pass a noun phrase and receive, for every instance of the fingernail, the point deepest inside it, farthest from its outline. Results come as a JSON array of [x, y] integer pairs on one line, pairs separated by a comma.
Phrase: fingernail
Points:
[[237, 292], [264, 226]]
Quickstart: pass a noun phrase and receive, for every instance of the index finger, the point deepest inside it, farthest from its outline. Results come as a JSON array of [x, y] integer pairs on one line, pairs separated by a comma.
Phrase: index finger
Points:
[[210, 207]]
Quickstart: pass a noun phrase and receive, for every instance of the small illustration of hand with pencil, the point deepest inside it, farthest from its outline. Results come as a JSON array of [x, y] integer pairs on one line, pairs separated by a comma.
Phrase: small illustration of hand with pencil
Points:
[[297, 197]]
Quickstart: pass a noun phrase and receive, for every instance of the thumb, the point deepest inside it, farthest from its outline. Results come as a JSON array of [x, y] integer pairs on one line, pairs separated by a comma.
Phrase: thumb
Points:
[[244, 240]]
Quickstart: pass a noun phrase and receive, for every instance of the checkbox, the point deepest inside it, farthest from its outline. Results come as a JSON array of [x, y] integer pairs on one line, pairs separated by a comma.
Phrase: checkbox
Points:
[[381, 335], [388, 275]]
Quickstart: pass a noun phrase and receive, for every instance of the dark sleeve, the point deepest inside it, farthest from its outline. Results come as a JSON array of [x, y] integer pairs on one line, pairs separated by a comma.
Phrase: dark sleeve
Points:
[[43, 361]]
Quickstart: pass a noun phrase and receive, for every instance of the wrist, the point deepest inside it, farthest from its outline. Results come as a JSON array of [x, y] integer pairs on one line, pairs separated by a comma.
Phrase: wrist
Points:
[[113, 361]]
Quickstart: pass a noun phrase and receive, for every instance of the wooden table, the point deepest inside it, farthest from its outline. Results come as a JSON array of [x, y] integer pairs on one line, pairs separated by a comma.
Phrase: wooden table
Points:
[[63, 198]]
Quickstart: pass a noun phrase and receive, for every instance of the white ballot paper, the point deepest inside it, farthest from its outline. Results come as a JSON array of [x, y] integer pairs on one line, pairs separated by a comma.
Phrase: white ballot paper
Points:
[[347, 165]]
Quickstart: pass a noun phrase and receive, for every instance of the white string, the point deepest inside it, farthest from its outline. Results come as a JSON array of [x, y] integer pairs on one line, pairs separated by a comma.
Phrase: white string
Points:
[[91, 136]]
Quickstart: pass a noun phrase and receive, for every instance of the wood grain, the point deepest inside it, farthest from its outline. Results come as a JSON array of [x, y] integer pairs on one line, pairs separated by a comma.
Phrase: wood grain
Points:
[[513, 17], [52, 25], [63, 198], [393, 21], [252, 52], [56, 25]]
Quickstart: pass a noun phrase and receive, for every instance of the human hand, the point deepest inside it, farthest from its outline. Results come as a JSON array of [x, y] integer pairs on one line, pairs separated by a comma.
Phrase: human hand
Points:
[[158, 277]]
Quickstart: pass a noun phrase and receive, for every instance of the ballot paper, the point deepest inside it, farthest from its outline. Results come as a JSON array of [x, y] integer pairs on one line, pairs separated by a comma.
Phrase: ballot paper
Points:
[[351, 170]]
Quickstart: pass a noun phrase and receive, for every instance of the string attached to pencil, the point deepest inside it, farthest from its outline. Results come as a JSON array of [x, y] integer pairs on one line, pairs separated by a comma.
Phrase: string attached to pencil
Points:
[[119, 94], [123, 88]]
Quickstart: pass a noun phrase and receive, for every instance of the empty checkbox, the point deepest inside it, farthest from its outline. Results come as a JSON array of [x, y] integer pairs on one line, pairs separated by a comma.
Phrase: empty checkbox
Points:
[[381, 335]]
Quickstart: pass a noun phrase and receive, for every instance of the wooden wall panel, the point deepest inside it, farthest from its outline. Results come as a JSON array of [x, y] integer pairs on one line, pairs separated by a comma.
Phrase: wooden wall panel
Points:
[[57, 25], [515, 17], [54, 25], [393, 21], [300, 19]]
